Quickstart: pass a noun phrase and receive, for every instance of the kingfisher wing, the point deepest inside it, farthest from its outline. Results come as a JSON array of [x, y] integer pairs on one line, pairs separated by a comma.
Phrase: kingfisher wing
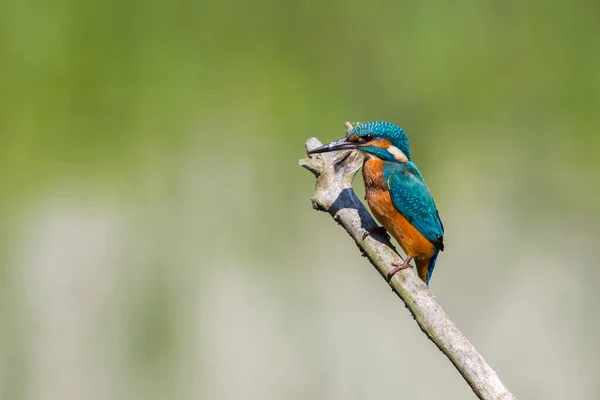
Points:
[[412, 198]]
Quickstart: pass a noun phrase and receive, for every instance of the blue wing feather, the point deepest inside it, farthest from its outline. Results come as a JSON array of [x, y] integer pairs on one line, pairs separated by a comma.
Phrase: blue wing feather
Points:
[[412, 198]]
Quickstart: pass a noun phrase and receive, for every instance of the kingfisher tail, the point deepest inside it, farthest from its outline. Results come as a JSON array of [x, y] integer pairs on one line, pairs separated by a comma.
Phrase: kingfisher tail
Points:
[[425, 266], [431, 265]]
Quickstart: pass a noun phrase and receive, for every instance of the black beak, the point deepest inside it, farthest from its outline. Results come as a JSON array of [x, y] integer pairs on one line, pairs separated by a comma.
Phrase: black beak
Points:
[[341, 144]]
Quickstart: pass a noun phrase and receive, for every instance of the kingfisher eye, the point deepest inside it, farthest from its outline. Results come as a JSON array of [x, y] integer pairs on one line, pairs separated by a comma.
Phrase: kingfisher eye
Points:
[[368, 137]]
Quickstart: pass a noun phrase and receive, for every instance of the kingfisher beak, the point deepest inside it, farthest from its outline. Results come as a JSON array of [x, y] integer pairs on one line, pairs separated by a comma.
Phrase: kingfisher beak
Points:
[[342, 144]]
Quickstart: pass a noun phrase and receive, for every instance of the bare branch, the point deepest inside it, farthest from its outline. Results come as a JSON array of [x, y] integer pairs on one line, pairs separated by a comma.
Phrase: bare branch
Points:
[[334, 194]]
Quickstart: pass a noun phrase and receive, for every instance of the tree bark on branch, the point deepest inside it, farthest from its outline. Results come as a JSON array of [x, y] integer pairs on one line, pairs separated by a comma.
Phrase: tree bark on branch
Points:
[[334, 195]]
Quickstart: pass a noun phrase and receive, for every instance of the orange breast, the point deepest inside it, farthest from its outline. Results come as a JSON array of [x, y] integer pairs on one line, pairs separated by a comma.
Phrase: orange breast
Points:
[[410, 239]]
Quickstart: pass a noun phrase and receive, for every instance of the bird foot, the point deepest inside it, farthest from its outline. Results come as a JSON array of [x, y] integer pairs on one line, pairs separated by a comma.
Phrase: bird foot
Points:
[[399, 267], [380, 230]]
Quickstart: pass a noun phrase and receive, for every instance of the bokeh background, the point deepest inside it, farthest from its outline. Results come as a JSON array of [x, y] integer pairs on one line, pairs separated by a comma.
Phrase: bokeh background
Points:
[[157, 237]]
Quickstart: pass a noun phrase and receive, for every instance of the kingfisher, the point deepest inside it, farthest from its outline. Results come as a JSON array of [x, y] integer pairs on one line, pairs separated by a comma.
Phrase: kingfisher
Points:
[[396, 193]]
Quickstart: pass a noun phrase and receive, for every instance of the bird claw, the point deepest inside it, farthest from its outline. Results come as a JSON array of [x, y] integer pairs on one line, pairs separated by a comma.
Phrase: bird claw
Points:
[[399, 267], [380, 230]]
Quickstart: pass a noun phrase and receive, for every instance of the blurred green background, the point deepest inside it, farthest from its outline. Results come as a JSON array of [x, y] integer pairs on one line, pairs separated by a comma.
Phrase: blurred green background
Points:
[[157, 238]]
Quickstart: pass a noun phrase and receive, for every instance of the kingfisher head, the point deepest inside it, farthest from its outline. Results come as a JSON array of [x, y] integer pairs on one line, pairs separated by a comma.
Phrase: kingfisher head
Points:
[[378, 138]]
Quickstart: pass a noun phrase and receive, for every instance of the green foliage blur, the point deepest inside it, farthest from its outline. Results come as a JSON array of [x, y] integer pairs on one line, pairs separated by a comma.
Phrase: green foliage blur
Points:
[[158, 240]]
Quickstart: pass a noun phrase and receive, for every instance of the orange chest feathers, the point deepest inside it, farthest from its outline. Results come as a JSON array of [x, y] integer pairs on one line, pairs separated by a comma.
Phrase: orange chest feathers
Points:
[[380, 202]]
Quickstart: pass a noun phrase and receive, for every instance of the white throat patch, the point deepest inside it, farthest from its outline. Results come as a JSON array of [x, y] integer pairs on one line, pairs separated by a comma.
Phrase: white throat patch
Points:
[[397, 153]]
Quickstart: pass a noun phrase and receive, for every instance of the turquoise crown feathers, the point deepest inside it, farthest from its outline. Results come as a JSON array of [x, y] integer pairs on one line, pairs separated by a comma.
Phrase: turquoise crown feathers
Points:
[[385, 130]]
